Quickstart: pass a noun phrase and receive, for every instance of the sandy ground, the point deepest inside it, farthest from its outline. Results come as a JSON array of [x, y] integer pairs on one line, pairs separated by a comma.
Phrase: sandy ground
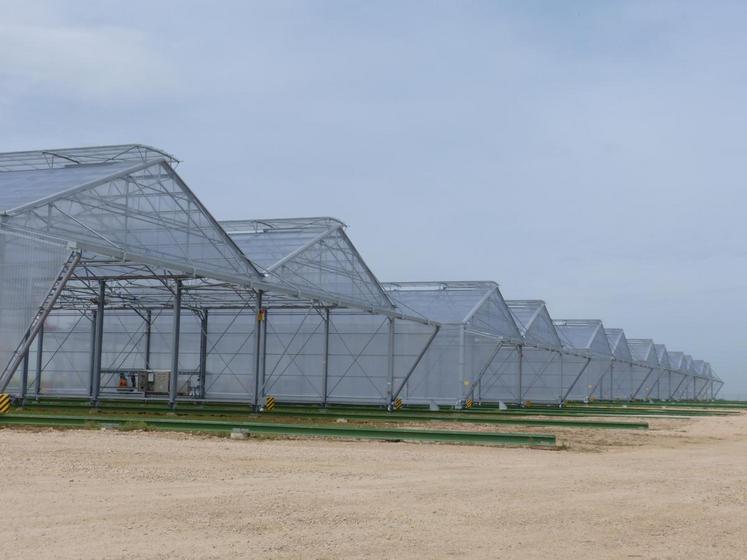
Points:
[[677, 491]]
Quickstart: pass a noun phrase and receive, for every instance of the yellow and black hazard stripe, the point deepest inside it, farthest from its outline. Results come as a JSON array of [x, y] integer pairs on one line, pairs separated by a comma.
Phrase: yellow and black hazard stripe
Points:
[[269, 403], [469, 404], [397, 404], [4, 403]]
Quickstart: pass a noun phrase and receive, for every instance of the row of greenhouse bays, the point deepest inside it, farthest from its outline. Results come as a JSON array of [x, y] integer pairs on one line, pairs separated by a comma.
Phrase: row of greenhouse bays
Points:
[[354, 368]]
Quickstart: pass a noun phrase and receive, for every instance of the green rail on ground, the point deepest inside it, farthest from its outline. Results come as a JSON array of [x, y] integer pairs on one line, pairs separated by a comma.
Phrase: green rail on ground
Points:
[[570, 410], [484, 438], [535, 410], [375, 415]]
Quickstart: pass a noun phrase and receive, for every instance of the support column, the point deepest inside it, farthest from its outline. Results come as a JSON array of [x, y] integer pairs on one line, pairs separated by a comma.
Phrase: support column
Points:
[[148, 334], [325, 359], [257, 350], [612, 380], [390, 365], [96, 379], [203, 352], [39, 360], [520, 349], [176, 331], [92, 353], [461, 364]]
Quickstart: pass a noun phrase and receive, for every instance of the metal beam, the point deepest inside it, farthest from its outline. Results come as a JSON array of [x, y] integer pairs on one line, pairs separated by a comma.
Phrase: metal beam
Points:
[[174, 377], [96, 380], [203, 352], [257, 348], [390, 364], [148, 335], [325, 358]]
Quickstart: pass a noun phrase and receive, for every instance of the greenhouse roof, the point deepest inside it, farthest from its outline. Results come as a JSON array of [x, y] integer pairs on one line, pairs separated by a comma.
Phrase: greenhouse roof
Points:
[[643, 350], [584, 334], [534, 322], [128, 203], [662, 355], [618, 344], [477, 305], [315, 253]]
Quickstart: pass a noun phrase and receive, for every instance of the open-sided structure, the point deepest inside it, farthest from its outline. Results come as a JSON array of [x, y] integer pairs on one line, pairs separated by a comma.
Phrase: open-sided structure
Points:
[[117, 280]]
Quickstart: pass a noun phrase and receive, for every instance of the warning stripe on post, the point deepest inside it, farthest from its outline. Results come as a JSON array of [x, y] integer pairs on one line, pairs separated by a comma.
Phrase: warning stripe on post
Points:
[[269, 403], [4, 403], [469, 404], [397, 404]]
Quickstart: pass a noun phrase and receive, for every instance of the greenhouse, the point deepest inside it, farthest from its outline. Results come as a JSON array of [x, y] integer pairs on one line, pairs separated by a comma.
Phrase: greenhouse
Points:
[[584, 370], [117, 282], [645, 367], [663, 375], [541, 355], [617, 383], [474, 356]]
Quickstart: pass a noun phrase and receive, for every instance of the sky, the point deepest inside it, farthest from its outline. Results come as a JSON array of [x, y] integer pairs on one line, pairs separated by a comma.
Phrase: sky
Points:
[[591, 154]]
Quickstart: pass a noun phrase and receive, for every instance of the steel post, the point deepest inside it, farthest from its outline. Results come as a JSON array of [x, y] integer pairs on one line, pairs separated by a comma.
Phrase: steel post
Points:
[[257, 348], [390, 365], [325, 359], [96, 381], [174, 377], [148, 335], [203, 352]]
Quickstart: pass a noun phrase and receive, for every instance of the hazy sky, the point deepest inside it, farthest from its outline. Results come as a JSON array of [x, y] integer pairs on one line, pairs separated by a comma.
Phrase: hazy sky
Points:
[[592, 154]]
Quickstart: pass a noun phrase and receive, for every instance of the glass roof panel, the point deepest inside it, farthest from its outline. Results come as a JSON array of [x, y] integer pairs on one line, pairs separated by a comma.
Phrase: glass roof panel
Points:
[[18, 188]]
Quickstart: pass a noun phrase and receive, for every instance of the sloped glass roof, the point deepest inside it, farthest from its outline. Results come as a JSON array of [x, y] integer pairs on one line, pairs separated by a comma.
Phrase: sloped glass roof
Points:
[[66, 157], [478, 305], [584, 334], [308, 252], [643, 350], [698, 366], [18, 188], [662, 355], [534, 322], [618, 344], [676, 359], [142, 211]]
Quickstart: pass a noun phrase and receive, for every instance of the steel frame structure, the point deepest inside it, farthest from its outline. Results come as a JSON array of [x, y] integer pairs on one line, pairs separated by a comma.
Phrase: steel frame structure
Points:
[[112, 267]]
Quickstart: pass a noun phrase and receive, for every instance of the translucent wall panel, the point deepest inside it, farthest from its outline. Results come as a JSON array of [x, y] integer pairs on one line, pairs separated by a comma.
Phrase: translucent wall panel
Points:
[[66, 355], [231, 355], [294, 367], [28, 269], [541, 373]]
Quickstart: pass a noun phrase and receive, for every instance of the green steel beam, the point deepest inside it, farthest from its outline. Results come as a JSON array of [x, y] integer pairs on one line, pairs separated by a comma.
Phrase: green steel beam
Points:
[[485, 438], [357, 414]]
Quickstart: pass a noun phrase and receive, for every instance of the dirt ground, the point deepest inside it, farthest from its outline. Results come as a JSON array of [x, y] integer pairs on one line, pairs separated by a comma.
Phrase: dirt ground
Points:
[[677, 491]]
